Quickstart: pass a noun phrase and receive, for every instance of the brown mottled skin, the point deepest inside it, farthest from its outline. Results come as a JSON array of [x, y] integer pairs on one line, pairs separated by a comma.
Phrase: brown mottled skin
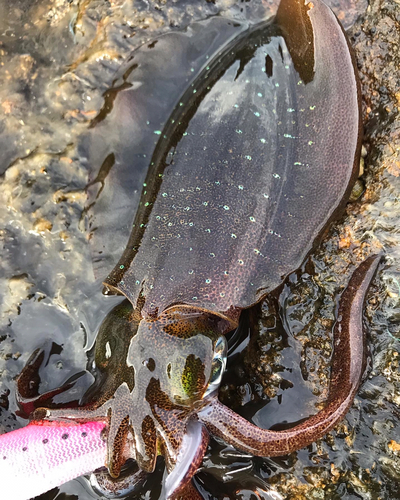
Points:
[[189, 493], [246, 176]]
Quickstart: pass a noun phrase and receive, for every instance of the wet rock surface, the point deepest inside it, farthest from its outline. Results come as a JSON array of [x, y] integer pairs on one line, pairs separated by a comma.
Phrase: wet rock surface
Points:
[[58, 59]]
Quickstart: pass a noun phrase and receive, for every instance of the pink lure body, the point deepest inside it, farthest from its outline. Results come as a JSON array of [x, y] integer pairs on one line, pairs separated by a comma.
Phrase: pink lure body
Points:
[[44, 455]]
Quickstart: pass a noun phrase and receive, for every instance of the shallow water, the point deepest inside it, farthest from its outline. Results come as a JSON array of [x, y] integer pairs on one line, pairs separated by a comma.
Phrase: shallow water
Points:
[[57, 60]]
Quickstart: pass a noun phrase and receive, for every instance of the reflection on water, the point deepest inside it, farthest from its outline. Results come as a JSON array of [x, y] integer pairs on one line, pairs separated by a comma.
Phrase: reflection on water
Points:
[[57, 60]]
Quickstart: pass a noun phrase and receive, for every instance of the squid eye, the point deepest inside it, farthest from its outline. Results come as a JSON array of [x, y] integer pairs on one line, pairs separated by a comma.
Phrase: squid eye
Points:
[[218, 365]]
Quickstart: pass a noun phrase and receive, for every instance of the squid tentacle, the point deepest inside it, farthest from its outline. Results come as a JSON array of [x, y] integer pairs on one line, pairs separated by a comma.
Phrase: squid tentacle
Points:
[[131, 480], [348, 365], [193, 447], [188, 493]]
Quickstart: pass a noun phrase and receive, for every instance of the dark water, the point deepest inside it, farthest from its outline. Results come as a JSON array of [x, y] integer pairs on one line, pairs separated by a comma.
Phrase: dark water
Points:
[[58, 59]]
